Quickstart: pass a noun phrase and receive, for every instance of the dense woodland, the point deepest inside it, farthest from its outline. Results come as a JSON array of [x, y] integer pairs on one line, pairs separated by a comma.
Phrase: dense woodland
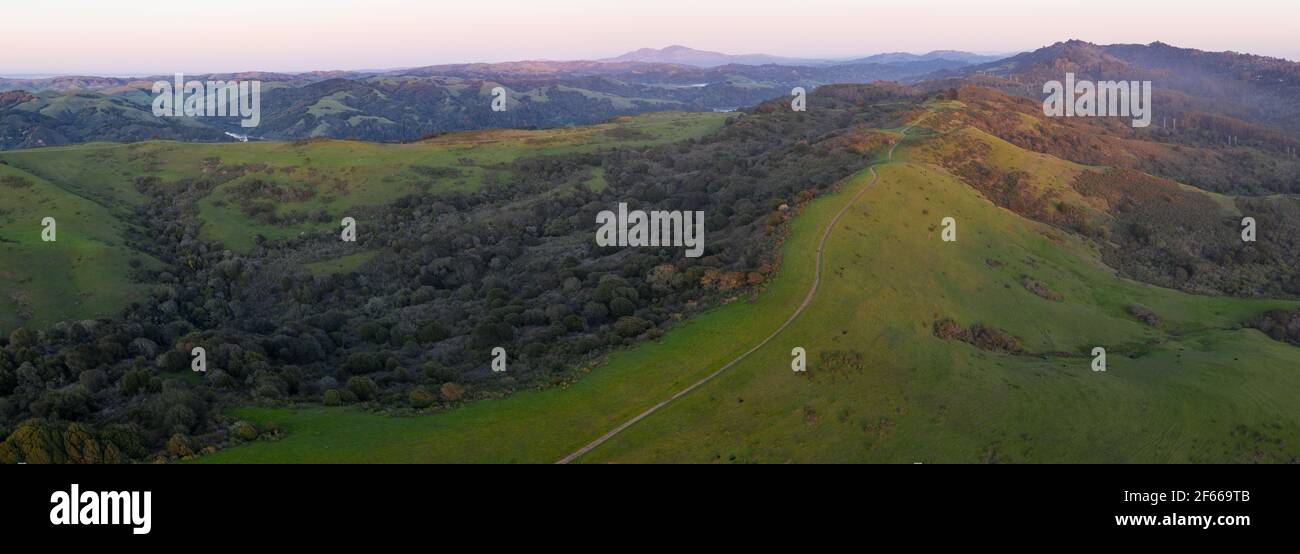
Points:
[[1281, 325], [1164, 234], [511, 265]]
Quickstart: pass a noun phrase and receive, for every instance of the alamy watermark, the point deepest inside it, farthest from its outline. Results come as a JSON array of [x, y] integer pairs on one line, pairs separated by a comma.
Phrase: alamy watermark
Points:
[[49, 230], [799, 360], [1099, 99], [655, 228], [499, 99], [209, 99], [75, 507], [498, 359]]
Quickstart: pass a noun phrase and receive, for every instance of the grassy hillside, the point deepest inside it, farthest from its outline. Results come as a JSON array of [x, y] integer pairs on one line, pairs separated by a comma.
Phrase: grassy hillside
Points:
[[91, 190], [1197, 390], [334, 177], [881, 387], [84, 274]]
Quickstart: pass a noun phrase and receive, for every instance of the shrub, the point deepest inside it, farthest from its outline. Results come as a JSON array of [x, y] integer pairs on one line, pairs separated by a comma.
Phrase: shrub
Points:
[[93, 379], [981, 336], [172, 361], [179, 446], [992, 338], [1145, 315], [21, 338], [421, 398], [621, 306], [631, 326], [245, 430], [363, 387], [438, 373], [1040, 288], [268, 391], [452, 392], [432, 332], [948, 329], [134, 382], [360, 363], [1281, 325], [35, 442]]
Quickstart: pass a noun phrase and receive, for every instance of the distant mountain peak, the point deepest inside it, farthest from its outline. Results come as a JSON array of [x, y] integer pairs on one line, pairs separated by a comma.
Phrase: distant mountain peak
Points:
[[685, 55], [907, 57]]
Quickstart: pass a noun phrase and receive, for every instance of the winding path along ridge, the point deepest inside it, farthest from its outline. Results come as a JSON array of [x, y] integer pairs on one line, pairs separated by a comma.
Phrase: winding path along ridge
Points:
[[812, 292]]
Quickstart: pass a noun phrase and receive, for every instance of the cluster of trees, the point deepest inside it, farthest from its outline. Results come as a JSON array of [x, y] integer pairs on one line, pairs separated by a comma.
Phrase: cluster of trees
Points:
[[1145, 315], [57, 385], [981, 336], [1041, 289], [1282, 325], [513, 265], [1162, 233]]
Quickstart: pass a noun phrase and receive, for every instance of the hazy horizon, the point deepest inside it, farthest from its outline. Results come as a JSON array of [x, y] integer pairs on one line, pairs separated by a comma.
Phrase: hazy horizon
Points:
[[63, 37], [200, 71]]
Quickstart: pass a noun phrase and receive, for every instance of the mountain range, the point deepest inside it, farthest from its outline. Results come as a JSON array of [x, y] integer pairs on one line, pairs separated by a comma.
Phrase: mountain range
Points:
[[407, 104], [684, 55], [1245, 86]]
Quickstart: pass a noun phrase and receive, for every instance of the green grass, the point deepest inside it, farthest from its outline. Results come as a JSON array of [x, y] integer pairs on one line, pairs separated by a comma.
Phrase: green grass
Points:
[[1198, 389], [346, 175], [342, 264], [597, 181], [331, 105], [84, 274], [102, 171]]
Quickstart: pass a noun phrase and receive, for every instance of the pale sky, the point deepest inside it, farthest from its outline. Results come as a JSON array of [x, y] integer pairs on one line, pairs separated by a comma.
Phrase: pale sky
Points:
[[137, 37]]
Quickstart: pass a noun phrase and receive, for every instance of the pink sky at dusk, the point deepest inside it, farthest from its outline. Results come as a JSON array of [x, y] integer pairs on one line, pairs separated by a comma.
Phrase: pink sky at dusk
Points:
[[97, 37]]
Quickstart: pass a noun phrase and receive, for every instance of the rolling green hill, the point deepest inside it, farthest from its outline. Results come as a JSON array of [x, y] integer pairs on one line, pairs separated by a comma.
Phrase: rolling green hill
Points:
[[881, 386], [329, 177], [91, 190], [1196, 390], [83, 274]]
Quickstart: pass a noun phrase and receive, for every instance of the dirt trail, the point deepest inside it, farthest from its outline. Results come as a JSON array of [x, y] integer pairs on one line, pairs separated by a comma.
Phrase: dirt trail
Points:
[[812, 292]]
